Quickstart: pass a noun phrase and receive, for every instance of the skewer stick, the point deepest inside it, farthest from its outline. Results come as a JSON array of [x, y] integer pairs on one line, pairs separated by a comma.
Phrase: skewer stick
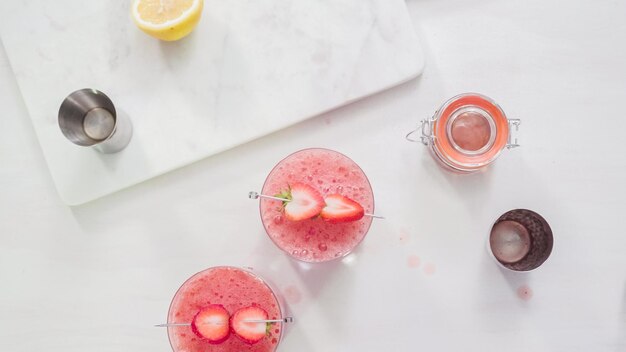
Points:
[[173, 324], [256, 195], [283, 320]]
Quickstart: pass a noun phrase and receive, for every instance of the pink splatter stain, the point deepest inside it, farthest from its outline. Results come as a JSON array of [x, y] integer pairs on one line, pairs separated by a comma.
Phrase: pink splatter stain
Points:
[[292, 294], [429, 269], [404, 236], [413, 261], [524, 293]]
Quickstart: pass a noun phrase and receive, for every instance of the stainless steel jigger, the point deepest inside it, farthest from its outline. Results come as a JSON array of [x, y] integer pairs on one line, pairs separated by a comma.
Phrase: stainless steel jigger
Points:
[[87, 117]]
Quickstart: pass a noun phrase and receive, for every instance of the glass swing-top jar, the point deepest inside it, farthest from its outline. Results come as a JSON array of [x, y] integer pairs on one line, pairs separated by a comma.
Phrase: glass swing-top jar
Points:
[[467, 132]]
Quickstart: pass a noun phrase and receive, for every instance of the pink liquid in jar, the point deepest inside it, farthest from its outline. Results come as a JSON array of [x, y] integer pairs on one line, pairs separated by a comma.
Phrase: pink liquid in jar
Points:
[[468, 132]]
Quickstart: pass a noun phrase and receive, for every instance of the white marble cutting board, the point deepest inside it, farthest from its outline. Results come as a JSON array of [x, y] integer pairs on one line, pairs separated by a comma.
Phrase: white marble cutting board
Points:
[[249, 68]]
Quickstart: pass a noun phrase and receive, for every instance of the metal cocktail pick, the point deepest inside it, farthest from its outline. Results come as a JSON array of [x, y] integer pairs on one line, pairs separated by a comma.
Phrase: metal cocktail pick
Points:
[[256, 195], [283, 320]]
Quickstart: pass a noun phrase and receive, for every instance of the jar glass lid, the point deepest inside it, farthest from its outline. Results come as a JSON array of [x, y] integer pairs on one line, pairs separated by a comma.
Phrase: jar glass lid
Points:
[[470, 130]]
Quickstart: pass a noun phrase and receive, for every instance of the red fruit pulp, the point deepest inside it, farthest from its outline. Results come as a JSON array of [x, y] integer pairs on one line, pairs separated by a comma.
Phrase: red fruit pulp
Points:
[[231, 287], [316, 240]]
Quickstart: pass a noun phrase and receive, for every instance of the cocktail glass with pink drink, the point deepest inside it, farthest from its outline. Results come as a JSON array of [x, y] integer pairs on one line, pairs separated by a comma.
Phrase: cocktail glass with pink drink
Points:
[[336, 211], [209, 308]]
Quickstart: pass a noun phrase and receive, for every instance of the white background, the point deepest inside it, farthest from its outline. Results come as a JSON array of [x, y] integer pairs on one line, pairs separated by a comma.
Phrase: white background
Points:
[[249, 69], [98, 276]]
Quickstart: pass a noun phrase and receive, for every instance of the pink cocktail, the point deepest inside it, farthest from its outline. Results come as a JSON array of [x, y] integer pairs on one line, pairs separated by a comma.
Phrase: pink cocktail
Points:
[[329, 172], [233, 288]]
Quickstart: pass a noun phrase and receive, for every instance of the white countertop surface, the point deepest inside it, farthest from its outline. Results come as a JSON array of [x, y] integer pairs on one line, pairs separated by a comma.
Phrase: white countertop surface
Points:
[[98, 276], [248, 69]]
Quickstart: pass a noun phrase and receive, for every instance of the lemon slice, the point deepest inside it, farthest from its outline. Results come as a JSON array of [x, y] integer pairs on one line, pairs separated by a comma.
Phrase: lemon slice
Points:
[[167, 19]]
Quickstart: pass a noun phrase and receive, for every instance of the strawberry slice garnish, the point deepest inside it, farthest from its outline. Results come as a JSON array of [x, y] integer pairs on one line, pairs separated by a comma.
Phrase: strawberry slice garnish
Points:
[[302, 202], [341, 209], [243, 325], [211, 324]]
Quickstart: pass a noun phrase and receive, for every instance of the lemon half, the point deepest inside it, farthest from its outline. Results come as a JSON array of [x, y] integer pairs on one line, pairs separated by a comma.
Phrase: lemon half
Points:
[[167, 19]]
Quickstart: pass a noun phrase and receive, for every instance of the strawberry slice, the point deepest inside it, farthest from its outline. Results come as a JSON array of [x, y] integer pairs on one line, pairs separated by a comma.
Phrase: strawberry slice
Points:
[[304, 202], [242, 325], [341, 209], [211, 324]]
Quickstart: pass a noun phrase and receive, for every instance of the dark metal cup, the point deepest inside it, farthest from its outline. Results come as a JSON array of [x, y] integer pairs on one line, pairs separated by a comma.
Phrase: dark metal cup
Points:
[[521, 240], [88, 118]]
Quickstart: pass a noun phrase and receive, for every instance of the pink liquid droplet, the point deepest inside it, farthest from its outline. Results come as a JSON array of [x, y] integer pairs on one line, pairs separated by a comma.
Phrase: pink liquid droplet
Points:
[[292, 294], [430, 269], [524, 293], [404, 236], [413, 261], [322, 247]]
